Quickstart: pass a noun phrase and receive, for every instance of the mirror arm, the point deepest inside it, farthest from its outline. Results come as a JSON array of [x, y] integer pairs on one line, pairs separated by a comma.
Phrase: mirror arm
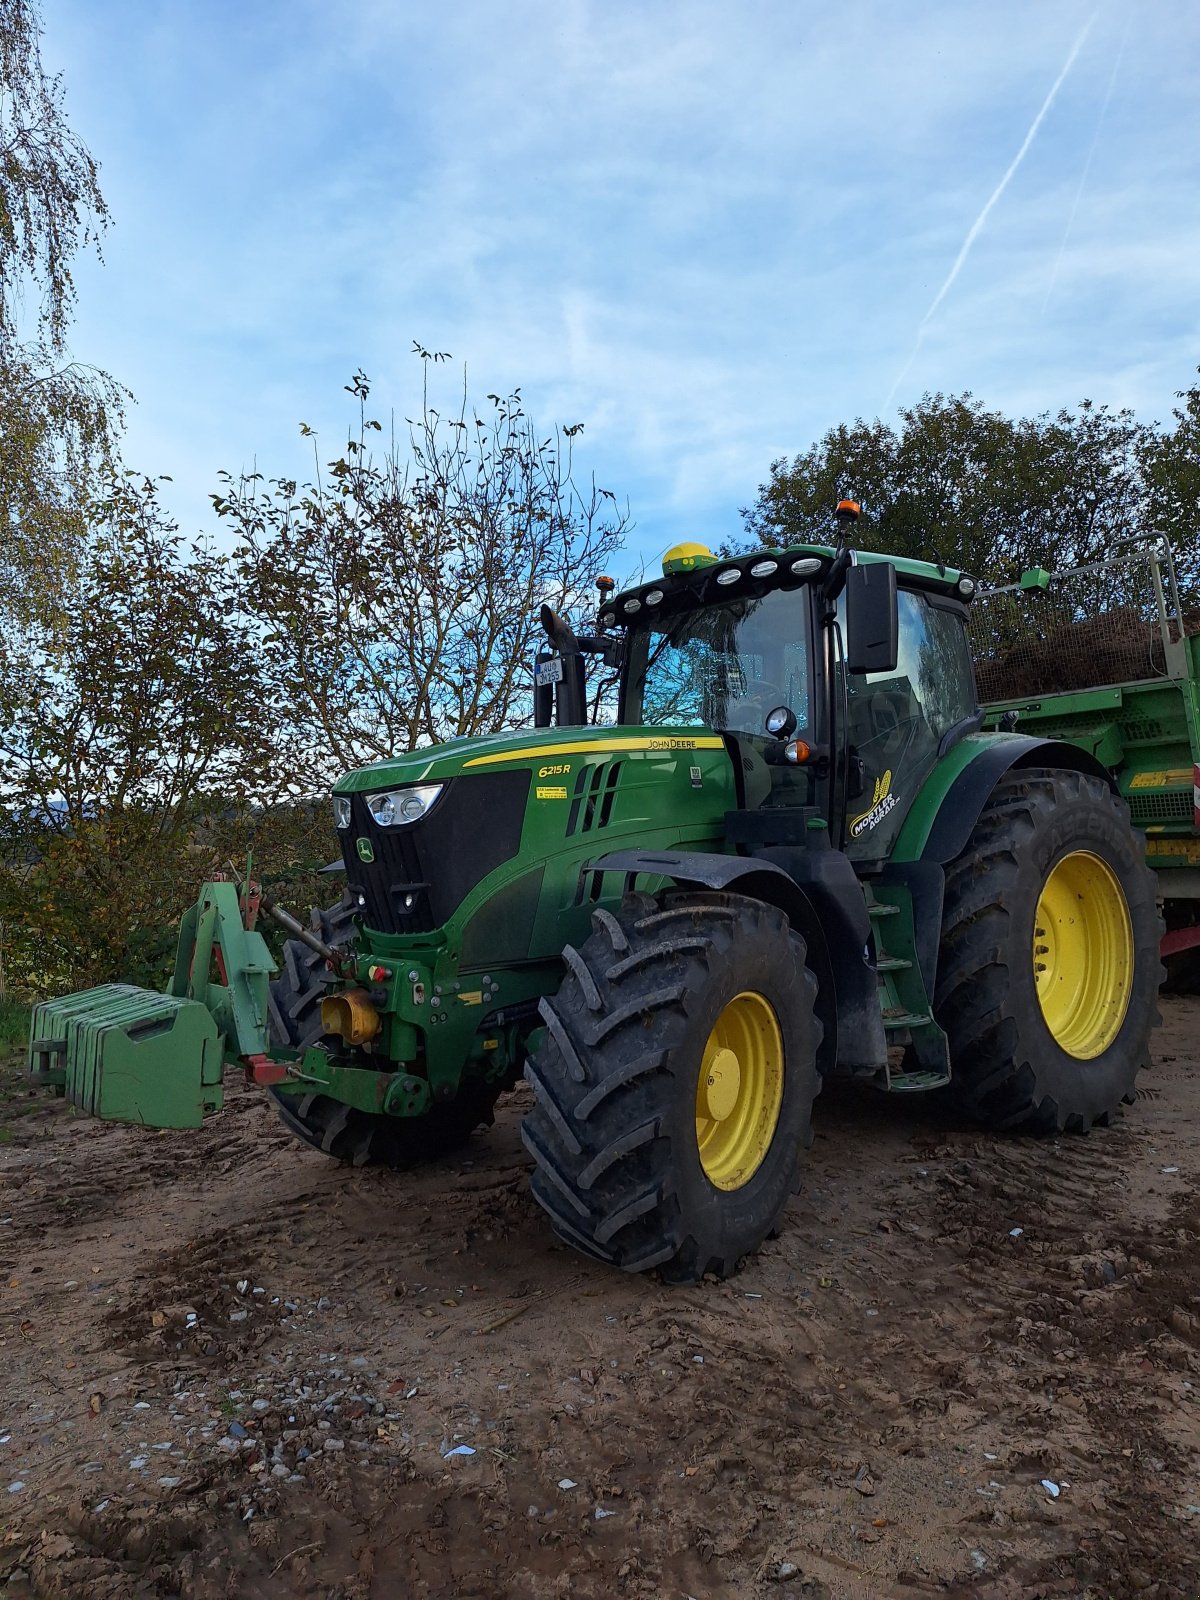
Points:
[[835, 578], [610, 648]]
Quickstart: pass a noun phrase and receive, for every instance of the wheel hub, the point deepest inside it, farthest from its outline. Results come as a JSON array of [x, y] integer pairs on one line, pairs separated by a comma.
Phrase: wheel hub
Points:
[[1083, 957], [722, 1084], [739, 1091]]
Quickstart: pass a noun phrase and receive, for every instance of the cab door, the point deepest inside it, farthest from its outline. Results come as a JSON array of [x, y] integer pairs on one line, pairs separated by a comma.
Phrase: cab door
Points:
[[897, 721]]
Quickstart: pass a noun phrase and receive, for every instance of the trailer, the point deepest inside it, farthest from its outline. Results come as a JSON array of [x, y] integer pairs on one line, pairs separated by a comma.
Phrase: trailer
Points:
[[1104, 656]]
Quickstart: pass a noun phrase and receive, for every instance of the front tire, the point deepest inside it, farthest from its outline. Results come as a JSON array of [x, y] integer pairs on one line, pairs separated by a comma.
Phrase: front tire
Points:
[[675, 1083], [1049, 966]]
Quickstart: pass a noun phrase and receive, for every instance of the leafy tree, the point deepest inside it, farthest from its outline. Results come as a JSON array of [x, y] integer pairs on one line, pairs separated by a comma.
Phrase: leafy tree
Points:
[[1171, 466], [185, 704], [982, 491], [398, 595], [58, 419], [135, 756]]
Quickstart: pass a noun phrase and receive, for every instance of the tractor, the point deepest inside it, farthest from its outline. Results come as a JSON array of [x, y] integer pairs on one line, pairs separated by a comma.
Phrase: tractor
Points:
[[792, 853]]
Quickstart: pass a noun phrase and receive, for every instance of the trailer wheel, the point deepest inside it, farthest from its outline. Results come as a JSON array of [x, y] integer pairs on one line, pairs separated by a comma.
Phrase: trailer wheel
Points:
[[361, 1138], [1049, 968], [674, 1087]]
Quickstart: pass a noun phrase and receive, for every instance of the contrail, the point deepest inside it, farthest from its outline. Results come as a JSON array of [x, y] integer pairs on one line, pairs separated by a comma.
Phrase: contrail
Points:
[[976, 227], [1087, 166]]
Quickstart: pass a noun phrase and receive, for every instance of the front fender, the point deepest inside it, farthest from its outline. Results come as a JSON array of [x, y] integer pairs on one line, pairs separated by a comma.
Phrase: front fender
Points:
[[709, 869], [847, 999]]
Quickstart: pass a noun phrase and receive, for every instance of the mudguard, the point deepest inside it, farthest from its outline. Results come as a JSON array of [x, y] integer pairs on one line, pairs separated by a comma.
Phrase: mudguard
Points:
[[941, 822], [824, 902]]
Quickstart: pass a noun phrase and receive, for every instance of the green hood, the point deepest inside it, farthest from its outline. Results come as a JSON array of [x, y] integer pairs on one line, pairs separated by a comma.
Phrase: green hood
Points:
[[518, 748]]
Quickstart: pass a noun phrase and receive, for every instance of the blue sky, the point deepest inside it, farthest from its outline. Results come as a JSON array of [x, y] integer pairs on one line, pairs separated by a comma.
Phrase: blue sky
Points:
[[708, 231]]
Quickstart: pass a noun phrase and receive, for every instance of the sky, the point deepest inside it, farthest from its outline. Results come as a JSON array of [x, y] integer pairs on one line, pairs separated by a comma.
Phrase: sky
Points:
[[708, 231]]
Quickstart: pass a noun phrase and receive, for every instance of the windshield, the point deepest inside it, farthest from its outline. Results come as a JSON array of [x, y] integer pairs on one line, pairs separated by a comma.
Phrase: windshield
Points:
[[722, 666]]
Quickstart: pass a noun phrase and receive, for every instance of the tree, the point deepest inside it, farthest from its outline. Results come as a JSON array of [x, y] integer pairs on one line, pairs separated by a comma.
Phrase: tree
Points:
[[980, 490], [58, 420], [398, 596], [185, 704], [136, 755], [1171, 465]]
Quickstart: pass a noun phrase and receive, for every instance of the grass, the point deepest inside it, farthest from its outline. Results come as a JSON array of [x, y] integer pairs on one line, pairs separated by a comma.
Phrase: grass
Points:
[[14, 1027], [16, 1098]]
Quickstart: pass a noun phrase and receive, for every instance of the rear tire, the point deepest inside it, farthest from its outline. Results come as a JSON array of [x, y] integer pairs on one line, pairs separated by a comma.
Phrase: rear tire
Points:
[[675, 1083], [1049, 968], [361, 1138]]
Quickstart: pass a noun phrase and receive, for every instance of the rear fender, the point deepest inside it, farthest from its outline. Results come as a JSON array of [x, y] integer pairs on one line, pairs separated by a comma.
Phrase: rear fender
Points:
[[953, 796], [950, 804]]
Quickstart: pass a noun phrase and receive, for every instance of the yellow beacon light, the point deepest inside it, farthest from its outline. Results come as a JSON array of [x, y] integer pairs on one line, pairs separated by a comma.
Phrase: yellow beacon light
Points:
[[687, 558]]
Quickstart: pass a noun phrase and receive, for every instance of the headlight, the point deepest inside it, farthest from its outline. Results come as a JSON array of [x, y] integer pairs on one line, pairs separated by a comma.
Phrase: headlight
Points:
[[403, 805], [341, 811]]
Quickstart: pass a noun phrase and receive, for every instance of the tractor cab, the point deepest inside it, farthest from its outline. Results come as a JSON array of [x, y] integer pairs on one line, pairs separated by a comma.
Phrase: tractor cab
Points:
[[837, 679]]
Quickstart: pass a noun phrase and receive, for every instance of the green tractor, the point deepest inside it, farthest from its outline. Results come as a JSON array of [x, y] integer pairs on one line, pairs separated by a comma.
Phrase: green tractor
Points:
[[792, 854]]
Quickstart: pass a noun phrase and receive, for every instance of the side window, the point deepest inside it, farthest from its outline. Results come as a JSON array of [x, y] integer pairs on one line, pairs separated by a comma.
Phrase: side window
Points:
[[946, 674], [897, 719]]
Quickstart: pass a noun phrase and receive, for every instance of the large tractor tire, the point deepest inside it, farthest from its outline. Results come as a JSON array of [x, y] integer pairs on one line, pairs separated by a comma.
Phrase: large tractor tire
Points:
[[361, 1138], [1049, 970], [674, 1087]]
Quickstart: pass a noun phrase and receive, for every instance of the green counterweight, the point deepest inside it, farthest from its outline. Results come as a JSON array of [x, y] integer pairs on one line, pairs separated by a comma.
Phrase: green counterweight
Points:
[[129, 1055]]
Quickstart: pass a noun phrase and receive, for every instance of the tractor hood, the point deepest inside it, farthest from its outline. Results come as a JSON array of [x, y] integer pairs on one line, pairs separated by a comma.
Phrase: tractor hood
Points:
[[528, 809], [522, 747]]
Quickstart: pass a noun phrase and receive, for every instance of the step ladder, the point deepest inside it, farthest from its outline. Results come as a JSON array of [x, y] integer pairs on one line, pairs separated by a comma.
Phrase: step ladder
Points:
[[905, 1006]]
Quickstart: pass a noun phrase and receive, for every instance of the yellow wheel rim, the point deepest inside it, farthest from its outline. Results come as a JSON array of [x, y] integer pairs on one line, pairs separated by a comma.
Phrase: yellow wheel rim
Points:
[[740, 1091], [1083, 954]]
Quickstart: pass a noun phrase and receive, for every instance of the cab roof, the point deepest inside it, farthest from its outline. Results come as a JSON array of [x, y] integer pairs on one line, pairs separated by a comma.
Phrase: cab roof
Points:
[[693, 569]]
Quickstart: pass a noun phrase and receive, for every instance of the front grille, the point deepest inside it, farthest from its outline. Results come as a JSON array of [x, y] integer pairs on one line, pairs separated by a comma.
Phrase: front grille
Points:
[[422, 871]]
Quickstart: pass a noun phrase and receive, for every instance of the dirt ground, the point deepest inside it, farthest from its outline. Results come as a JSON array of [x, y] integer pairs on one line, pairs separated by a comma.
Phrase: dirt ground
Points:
[[967, 1367]]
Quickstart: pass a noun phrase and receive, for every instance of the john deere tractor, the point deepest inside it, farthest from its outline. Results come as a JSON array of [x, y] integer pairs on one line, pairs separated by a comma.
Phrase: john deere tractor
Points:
[[791, 854]]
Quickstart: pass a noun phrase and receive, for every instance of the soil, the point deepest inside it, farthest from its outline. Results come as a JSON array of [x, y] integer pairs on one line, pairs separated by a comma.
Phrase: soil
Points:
[[1115, 646], [968, 1366]]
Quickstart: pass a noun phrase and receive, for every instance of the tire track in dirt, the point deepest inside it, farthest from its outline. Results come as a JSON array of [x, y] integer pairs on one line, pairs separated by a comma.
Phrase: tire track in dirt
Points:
[[873, 1400]]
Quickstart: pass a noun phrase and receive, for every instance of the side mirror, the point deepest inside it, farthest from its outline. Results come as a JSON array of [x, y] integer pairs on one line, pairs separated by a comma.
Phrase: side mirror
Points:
[[872, 618]]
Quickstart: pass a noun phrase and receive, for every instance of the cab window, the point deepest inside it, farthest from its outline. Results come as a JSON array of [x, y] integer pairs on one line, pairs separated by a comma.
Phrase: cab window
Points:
[[722, 666]]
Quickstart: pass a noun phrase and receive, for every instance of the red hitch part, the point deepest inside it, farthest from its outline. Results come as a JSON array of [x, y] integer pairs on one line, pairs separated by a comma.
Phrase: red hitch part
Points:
[[262, 1070], [1180, 939]]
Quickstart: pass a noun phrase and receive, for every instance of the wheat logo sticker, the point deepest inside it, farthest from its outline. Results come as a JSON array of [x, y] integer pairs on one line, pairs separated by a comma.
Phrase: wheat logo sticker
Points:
[[882, 801]]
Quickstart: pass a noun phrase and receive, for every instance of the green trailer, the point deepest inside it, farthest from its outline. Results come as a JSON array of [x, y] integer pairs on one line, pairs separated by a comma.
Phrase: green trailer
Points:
[[1104, 657], [793, 853]]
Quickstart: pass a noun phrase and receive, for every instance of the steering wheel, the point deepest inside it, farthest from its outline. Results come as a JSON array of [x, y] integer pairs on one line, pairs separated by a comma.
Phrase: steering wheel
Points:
[[746, 711]]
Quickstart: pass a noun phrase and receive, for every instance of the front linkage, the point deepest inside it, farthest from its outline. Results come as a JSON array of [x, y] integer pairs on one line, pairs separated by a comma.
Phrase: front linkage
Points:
[[127, 1054]]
